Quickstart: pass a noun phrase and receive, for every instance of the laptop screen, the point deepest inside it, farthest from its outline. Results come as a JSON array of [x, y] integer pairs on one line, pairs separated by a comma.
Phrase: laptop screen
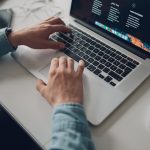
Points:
[[126, 20]]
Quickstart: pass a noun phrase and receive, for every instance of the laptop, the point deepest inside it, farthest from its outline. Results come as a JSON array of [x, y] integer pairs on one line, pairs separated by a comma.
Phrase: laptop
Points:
[[113, 38]]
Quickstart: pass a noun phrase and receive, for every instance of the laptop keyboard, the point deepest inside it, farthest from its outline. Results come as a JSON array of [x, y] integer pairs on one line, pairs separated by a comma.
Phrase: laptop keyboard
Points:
[[104, 61]]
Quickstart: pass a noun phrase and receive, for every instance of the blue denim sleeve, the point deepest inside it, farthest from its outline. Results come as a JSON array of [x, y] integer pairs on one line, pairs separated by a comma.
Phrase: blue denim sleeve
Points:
[[70, 129], [5, 45]]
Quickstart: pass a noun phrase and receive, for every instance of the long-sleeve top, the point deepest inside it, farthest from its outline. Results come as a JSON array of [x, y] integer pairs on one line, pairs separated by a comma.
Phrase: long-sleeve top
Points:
[[70, 130]]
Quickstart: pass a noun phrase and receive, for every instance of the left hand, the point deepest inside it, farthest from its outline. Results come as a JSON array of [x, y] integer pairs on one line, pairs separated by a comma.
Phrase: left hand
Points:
[[37, 37]]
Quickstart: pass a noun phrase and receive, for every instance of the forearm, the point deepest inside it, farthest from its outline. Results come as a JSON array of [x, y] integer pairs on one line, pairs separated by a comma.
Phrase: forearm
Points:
[[70, 129]]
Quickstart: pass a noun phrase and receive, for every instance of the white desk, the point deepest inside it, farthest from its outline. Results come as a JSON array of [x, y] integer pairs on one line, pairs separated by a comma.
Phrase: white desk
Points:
[[128, 128]]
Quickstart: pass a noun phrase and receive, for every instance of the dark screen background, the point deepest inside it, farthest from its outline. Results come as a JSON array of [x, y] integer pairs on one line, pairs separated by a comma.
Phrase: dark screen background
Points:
[[82, 9]]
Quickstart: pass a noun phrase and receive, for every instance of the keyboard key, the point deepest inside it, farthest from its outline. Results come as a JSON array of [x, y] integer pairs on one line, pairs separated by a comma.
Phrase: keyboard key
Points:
[[91, 48], [93, 43], [100, 53], [81, 54], [91, 60], [97, 46], [103, 49], [83, 49], [136, 63], [117, 52], [108, 64], [122, 66], [123, 55], [108, 79], [91, 68], [88, 52], [118, 57], [103, 61], [86, 57], [131, 65], [97, 58], [101, 66], [116, 63], [119, 71], [127, 69], [112, 49], [79, 46], [101, 76], [113, 68], [107, 51], [112, 83], [111, 59], [124, 61], [106, 70], [97, 71], [82, 42], [95, 63], [113, 55], [86, 45], [130, 59], [92, 55], [96, 50], [106, 56], [124, 74], [115, 76], [76, 51]]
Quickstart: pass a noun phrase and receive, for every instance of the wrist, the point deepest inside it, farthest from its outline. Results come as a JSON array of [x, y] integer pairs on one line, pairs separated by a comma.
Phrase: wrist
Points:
[[14, 39]]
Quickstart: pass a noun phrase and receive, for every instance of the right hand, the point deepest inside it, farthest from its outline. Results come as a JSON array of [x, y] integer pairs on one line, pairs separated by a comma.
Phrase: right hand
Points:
[[65, 85]]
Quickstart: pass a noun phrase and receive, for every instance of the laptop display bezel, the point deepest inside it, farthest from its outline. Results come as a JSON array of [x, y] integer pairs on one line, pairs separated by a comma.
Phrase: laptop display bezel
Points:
[[126, 45]]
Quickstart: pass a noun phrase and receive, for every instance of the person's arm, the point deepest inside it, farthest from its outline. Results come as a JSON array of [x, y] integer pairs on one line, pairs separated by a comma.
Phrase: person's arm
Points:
[[36, 37], [70, 129], [64, 92]]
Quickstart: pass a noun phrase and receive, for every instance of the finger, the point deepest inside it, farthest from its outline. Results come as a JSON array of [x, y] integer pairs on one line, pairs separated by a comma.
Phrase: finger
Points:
[[41, 86], [63, 62], [55, 21], [80, 68], [59, 28], [52, 44], [47, 20], [54, 63], [70, 63]]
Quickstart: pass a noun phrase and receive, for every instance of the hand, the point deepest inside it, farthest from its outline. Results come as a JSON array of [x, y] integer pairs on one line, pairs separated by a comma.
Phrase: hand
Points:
[[64, 84], [37, 37]]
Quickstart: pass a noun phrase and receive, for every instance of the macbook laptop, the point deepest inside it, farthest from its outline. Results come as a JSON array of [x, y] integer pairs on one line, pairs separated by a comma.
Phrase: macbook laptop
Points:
[[113, 38]]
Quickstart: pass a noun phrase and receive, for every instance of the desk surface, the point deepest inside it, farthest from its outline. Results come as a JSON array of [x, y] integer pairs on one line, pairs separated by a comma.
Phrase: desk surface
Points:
[[128, 128]]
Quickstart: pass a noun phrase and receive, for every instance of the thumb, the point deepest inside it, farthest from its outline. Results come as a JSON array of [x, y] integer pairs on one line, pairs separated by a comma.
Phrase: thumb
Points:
[[41, 86]]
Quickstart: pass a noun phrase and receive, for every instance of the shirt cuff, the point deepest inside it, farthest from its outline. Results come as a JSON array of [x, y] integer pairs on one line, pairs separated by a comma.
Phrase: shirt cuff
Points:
[[70, 116], [5, 46]]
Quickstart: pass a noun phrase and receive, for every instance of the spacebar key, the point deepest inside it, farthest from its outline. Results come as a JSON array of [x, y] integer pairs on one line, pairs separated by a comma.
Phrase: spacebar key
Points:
[[115, 76]]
